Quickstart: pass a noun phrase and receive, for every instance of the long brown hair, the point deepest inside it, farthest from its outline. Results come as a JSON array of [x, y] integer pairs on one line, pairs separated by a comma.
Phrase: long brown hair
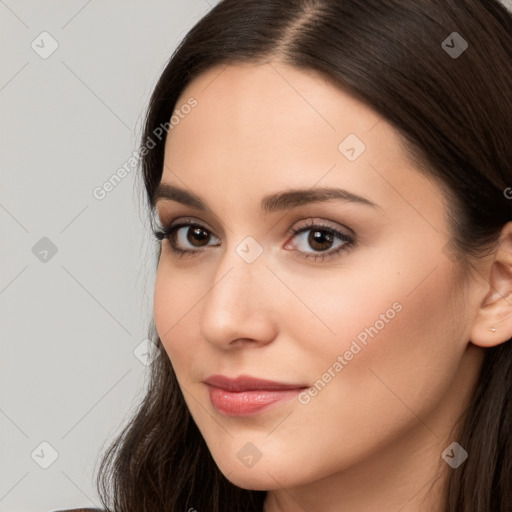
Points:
[[454, 116]]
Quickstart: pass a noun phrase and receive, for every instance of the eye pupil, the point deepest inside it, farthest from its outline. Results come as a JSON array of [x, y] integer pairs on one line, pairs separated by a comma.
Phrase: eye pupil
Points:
[[200, 235], [323, 238]]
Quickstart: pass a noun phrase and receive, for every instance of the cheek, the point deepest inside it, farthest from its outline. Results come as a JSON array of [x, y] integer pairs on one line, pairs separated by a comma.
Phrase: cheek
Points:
[[401, 374], [389, 306], [397, 319], [393, 358], [173, 302]]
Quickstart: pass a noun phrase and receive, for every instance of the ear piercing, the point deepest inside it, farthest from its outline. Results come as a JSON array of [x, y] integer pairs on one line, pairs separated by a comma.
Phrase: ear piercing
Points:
[[492, 329]]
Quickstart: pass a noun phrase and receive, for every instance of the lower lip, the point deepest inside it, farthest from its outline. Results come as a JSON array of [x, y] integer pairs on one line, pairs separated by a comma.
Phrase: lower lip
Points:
[[247, 403]]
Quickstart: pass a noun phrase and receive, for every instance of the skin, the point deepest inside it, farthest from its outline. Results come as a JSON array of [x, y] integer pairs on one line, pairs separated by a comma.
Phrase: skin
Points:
[[372, 438]]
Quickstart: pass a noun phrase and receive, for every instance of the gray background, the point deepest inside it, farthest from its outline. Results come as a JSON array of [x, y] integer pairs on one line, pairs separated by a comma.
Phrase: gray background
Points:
[[69, 324], [72, 320]]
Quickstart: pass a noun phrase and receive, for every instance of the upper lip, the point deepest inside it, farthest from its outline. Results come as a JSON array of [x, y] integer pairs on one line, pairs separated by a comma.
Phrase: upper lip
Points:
[[246, 383]]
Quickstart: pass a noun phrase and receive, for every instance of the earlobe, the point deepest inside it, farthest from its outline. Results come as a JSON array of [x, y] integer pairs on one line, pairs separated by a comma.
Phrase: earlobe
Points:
[[493, 322]]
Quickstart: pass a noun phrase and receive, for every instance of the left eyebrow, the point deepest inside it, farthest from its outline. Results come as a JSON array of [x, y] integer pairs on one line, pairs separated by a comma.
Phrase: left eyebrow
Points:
[[289, 199], [284, 200]]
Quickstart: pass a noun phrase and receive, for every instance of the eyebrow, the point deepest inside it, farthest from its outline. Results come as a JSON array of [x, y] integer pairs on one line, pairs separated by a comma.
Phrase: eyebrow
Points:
[[284, 200]]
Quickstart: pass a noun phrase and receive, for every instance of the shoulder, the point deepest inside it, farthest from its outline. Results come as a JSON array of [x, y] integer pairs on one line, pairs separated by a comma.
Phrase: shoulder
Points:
[[81, 510]]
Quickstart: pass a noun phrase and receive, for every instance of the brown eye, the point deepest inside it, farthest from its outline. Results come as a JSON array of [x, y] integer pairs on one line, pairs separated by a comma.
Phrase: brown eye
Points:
[[314, 240], [187, 238], [197, 236], [320, 240]]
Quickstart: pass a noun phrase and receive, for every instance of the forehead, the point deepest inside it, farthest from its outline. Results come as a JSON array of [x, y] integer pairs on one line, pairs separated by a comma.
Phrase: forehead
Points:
[[257, 128], [267, 96], [268, 115]]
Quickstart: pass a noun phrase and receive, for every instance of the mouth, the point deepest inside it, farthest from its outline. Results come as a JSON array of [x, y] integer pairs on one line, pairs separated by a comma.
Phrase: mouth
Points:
[[247, 396]]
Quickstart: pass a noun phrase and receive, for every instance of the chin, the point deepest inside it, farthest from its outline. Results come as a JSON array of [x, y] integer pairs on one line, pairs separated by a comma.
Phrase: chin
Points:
[[261, 482], [264, 476]]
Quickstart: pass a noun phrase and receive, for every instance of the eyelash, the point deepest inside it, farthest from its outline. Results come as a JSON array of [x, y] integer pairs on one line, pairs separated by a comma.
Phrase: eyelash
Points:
[[169, 232]]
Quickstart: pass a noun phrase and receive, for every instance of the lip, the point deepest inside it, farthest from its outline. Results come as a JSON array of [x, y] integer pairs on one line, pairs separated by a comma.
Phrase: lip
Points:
[[248, 383], [246, 395]]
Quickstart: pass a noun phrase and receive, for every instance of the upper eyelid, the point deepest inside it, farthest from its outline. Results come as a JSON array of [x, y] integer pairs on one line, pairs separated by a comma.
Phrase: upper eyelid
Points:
[[312, 222], [161, 211], [309, 222]]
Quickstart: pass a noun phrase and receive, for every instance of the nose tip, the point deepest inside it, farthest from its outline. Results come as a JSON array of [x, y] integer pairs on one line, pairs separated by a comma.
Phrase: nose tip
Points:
[[238, 308]]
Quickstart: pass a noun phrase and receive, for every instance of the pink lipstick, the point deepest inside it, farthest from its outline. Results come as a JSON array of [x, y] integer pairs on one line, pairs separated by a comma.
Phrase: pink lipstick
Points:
[[246, 396]]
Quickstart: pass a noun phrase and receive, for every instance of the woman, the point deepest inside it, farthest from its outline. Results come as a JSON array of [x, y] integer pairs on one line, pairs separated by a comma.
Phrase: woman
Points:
[[330, 185]]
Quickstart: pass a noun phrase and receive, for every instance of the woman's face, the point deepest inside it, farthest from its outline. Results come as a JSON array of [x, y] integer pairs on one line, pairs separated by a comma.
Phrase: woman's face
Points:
[[362, 311]]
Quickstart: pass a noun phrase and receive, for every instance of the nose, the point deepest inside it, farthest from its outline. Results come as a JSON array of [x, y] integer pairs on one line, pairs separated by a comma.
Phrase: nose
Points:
[[238, 308]]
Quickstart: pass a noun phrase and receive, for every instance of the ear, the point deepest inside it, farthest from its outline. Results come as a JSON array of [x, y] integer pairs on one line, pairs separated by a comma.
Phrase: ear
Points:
[[493, 322]]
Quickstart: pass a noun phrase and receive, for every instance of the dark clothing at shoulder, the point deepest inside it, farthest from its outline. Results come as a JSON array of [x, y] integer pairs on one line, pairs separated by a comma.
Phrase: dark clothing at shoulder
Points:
[[81, 510]]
